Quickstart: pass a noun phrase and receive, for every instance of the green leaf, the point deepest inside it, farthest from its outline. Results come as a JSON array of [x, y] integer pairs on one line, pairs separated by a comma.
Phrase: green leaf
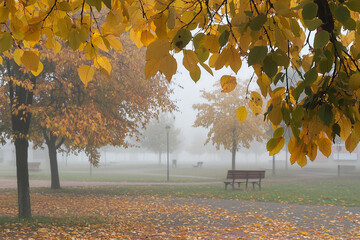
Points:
[[107, 3], [257, 54], [195, 75], [279, 77], [309, 11], [295, 27], [350, 24], [271, 144], [295, 131], [321, 39], [182, 38], [94, 3], [325, 65], [74, 39], [6, 41], [310, 76], [297, 114], [281, 58], [336, 130], [278, 132], [298, 90], [325, 114], [198, 40], [202, 54], [270, 67], [257, 23], [342, 14], [353, 5], [313, 24], [224, 37]]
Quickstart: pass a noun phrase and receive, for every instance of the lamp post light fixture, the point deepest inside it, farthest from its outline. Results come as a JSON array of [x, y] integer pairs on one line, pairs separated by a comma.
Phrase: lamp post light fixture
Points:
[[167, 128]]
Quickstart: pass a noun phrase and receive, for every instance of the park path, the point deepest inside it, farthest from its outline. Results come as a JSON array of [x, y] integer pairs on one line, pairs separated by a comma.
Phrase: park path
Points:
[[11, 183]]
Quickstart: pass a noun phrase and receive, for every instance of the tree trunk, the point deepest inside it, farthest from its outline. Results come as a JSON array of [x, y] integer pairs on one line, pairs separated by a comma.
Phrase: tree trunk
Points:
[[55, 181], [21, 148], [233, 155], [159, 158], [20, 99]]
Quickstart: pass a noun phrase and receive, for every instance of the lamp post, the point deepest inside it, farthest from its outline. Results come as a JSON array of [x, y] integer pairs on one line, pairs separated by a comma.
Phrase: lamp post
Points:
[[167, 128]]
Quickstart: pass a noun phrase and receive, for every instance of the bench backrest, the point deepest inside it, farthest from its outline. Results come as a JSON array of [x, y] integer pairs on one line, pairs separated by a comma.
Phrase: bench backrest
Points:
[[245, 174]]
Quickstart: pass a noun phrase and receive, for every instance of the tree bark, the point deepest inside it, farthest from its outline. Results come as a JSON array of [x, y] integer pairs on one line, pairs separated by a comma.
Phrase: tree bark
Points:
[[55, 181], [233, 155], [20, 99], [22, 173]]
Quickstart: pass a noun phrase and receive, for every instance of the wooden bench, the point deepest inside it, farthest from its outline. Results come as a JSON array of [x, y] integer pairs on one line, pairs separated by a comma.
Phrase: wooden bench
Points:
[[198, 165], [244, 176], [34, 166]]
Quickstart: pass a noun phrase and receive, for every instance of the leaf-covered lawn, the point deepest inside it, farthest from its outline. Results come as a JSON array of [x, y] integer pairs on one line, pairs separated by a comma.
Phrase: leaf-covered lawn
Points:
[[66, 215], [188, 212]]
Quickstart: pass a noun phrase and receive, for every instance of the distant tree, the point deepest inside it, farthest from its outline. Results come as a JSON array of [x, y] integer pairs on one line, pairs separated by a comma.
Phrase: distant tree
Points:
[[154, 136], [218, 115]]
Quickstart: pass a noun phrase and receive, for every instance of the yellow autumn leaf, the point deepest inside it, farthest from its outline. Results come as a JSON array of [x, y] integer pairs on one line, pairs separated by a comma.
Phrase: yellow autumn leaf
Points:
[[86, 73], [114, 43], [228, 83], [31, 60], [311, 149], [351, 142], [297, 154], [190, 60], [256, 98], [325, 146], [356, 129], [354, 81], [40, 68], [147, 37], [213, 59], [234, 59], [104, 63], [345, 128], [211, 43], [152, 67], [222, 59], [158, 49], [275, 115], [241, 114], [168, 66], [278, 146], [17, 56]]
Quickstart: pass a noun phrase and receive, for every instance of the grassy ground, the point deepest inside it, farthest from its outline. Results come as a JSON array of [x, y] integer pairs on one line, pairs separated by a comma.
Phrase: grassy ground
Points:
[[333, 191]]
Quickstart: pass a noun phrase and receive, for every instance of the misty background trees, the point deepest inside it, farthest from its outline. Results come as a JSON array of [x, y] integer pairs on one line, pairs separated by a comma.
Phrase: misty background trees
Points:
[[218, 115], [154, 136]]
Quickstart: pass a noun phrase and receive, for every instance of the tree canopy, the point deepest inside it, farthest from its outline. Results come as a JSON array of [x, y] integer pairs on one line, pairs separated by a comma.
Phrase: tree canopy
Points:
[[221, 114]]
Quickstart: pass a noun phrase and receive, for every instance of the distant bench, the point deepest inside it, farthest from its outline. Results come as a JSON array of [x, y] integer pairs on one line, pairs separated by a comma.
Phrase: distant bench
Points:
[[198, 165], [34, 166], [244, 176]]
